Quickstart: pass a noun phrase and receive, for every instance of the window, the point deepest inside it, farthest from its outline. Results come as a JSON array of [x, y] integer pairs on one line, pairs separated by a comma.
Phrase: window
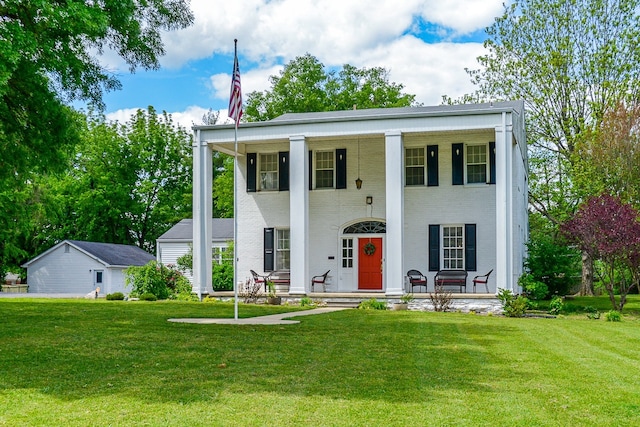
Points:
[[453, 247], [282, 250], [476, 164], [347, 253], [98, 277], [324, 169], [220, 255], [269, 171], [414, 166]]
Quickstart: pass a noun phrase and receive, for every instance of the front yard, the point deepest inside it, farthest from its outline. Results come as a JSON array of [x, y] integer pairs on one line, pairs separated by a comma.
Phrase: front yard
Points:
[[78, 363]]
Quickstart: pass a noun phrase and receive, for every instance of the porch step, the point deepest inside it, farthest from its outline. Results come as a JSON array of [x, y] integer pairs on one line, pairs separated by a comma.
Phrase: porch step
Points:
[[346, 304]]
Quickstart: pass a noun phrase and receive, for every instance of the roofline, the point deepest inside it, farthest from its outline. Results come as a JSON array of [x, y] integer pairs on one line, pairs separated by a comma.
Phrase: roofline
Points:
[[54, 247], [377, 114]]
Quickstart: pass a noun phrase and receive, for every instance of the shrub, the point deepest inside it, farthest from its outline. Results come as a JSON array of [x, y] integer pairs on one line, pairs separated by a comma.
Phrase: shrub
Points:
[[513, 306], [441, 299], [533, 288], [553, 264], [613, 316], [372, 304], [592, 312], [157, 279], [148, 296], [116, 296], [556, 305], [306, 301], [222, 279]]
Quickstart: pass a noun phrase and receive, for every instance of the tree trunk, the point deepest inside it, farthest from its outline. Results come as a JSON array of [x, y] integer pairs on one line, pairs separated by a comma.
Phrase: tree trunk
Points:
[[586, 287]]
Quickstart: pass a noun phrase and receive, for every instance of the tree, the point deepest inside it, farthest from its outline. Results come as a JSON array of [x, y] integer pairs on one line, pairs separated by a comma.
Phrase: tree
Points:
[[608, 158], [128, 182], [48, 51], [304, 85], [609, 231], [570, 61]]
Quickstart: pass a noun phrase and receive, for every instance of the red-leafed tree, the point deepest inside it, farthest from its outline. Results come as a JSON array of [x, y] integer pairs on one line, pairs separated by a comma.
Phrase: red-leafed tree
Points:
[[609, 231]]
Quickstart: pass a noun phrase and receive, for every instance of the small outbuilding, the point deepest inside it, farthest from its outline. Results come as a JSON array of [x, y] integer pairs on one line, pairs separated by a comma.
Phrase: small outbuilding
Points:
[[77, 267], [178, 241]]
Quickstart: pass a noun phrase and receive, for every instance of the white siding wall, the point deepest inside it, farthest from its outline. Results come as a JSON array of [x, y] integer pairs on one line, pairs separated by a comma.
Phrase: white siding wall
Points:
[[330, 210], [61, 272]]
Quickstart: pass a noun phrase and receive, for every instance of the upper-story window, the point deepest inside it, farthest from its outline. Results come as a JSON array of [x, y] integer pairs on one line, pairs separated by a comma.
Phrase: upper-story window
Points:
[[269, 171], [414, 166], [476, 164], [324, 169]]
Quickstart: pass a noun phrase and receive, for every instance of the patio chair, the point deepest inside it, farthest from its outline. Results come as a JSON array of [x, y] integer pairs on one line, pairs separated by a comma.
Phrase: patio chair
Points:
[[319, 280], [259, 278], [482, 280], [417, 279]]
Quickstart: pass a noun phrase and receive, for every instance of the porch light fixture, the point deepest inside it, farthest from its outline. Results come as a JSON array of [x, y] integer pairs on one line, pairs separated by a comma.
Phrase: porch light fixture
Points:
[[358, 180]]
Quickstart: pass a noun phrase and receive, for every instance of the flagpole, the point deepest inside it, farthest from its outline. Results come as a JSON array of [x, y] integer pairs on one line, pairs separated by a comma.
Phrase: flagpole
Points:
[[235, 201]]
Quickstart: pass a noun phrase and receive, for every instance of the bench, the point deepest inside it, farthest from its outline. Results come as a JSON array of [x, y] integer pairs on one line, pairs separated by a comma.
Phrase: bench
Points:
[[452, 278], [280, 279]]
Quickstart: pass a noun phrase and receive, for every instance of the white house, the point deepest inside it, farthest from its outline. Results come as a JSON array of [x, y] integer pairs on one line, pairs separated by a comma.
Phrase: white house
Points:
[[178, 240], [371, 194], [77, 267]]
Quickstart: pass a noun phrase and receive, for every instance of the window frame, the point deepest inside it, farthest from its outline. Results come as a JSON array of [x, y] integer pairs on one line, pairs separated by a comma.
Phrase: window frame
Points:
[[261, 163], [459, 249], [422, 166], [347, 252], [317, 169], [281, 264], [468, 164]]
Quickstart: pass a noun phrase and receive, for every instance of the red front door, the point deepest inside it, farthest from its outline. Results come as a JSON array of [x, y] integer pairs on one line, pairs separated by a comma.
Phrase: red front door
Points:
[[370, 263]]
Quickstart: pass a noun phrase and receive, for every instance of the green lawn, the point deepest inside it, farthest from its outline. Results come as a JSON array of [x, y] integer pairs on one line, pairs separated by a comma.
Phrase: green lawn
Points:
[[99, 363]]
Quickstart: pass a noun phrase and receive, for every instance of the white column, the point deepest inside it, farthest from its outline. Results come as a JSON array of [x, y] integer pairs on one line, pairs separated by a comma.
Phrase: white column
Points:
[[394, 193], [202, 214], [299, 215], [504, 203]]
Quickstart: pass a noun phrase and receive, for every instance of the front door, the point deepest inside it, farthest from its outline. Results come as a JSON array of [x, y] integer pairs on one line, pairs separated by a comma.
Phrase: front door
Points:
[[370, 263]]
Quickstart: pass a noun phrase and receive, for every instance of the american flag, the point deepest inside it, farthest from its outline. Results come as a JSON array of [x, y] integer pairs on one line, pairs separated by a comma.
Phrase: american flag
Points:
[[235, 100]]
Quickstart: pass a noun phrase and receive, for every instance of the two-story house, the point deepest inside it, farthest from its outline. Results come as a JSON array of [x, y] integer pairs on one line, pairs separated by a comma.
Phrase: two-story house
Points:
[[370, 194]]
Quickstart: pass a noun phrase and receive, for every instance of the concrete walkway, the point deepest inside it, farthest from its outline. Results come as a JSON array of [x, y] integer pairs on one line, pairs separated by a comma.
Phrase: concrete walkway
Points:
[[272, 319]]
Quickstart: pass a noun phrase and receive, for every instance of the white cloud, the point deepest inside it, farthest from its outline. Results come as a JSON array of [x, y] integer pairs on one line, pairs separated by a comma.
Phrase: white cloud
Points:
[[462, 16], [332, 30], [253, 80]]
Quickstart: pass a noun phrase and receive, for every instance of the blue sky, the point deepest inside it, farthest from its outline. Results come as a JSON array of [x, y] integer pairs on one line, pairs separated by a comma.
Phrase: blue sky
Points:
[[425, 45]]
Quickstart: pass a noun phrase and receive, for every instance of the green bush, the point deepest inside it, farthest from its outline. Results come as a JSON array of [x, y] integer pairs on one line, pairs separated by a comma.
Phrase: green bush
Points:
[[556, 305], [222, 279], [533, 288], [157, 279], [592, 312], [553, 264], [306, 302], [372, 304], [116, 296], [513, 306], [613, 316], [148, 296]]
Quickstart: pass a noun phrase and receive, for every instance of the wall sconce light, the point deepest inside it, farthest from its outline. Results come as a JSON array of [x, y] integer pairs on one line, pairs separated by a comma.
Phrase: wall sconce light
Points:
[[358, 183], [369, 200]]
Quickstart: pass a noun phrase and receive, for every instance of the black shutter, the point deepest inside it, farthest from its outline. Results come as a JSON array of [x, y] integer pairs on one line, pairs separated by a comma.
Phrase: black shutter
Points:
[[492, 163], [283, 171], [341, 168], [434, 247], [432, 165], [457, 164], [252, 168], [470, 247], [268, 249], [310, 170]]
